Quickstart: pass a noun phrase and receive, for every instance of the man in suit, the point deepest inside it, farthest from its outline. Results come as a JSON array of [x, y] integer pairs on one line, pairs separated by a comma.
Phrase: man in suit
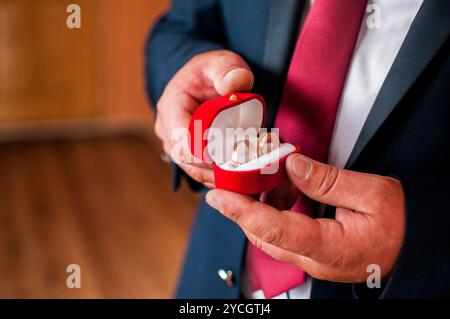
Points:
[[369, 105]]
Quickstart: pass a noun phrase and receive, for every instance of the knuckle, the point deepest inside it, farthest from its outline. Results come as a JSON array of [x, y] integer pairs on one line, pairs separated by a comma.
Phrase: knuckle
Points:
[[228, 55], [318, 273], [159, 128], [390, 183], [328, 181], [159, 105], [196, 173], [389, 190], [336, 261], [313, 268], [204, 175], [227, 58], [167, 150], [329, 271], [199, 57], [234, 214], [257, 242], [273, 236], [192, 172], [203, 58], [385, 186], [187, 169]]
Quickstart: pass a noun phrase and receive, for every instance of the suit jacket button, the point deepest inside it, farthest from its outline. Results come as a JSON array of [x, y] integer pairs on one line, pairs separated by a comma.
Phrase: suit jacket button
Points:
[[227, 276]]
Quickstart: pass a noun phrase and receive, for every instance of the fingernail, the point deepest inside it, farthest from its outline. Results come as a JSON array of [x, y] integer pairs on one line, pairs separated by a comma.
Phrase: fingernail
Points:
[[231, 74], [301, 167], [239, 79], [212, 201]]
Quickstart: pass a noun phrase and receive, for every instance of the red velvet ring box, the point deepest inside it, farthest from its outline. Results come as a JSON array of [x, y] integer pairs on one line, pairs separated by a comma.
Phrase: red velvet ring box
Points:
[[217, 119]]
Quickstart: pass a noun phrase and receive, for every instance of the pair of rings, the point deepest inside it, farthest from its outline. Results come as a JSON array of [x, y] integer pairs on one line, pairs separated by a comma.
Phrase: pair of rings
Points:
[[245, 151]]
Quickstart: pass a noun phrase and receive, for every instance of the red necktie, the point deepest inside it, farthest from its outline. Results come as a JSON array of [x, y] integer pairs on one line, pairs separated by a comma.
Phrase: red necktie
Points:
[[308, 110]]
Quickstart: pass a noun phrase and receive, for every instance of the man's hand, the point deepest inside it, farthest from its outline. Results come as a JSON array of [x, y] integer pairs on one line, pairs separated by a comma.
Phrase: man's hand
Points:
[[368, 228], [204, 77]]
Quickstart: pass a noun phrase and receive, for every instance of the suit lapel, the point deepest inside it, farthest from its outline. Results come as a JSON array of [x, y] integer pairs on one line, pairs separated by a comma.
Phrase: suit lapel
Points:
[[283, 20], [427, 34]]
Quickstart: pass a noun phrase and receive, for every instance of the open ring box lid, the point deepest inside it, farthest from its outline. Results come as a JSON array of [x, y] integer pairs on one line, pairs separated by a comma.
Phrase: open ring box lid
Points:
[[217, 124]]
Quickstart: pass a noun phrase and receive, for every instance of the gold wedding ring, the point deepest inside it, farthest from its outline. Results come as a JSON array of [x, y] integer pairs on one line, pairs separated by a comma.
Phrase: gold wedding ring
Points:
[[243, 151], [267, 142]]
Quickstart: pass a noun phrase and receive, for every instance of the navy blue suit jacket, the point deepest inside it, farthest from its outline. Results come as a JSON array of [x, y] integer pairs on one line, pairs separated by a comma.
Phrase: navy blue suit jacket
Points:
[[406, 135]]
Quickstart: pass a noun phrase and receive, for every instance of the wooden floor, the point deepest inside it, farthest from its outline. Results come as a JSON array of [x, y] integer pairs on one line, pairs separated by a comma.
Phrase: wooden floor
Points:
[[103, 204]]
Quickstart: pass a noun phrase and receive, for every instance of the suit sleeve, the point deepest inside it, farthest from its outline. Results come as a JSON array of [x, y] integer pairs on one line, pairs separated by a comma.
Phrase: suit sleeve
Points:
[[422, 269], [189, 27]]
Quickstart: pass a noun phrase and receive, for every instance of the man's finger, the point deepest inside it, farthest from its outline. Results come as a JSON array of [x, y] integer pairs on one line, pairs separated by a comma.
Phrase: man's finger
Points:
[[209, 185], [333, 186], [202, 175], [279, 253], [294, 232]]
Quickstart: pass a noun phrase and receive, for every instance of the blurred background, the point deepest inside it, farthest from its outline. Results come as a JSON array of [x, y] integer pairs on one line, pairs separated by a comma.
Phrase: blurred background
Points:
[[81, 176]]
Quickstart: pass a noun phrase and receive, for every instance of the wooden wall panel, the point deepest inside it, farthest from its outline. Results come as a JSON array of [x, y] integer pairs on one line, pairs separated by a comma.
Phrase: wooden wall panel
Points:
[[48, 71], [126, 27]]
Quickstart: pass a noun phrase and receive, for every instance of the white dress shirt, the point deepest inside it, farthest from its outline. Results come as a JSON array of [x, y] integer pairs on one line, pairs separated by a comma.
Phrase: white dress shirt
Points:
[[375, 51]]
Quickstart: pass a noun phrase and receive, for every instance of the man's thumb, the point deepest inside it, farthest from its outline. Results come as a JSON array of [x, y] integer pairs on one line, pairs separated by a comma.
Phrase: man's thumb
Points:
[[228, 72], [331, 185], [239, 79]]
